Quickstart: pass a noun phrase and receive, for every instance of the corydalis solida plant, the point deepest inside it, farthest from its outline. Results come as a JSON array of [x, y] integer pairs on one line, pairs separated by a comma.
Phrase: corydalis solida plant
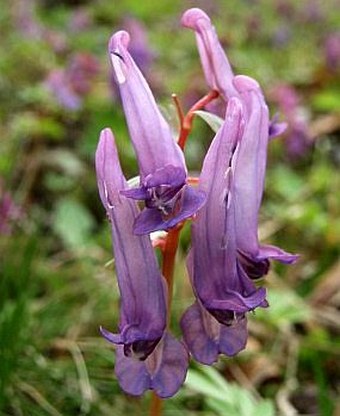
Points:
[[225, 256]]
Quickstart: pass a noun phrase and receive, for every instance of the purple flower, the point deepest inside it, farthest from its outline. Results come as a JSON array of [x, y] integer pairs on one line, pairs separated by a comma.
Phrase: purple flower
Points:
[[25, 19], [10, 212], [168, 198], [147, 357], [71, 84], [217, 70], [332, 51], [249, 171], [58, 85], [216, 67], [216, 323], [226, 255], [297, 138], [139, 46]]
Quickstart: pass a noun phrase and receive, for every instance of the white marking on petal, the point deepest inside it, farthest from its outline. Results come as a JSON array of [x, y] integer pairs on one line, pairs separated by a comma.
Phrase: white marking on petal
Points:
[[118, 68], [106, 194]]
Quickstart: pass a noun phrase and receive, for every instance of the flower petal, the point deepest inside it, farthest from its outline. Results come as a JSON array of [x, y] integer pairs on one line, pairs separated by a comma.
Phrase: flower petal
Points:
[[131, 373], [143, 301], [250, 165], [163, 371], [150, 134], [216, 67], [200, 341], [151, 219], [206, 338], [173, 367], [276, 253]]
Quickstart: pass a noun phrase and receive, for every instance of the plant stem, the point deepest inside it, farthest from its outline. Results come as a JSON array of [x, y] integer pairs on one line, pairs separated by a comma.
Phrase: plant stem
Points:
[[171, 242], [168, 267], [169, 256], [186, 124], [156, 405]]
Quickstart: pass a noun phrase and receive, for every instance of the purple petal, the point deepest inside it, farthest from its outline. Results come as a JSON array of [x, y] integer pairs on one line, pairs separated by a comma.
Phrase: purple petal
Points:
[[110, 177], [234, 301], [148, 221], [132, 374], [150, 134], [255, 269], [200, 338], [219, 281], [143, 316], [151, 219], [206, 338], [275, 253], [250, 165], [233, 339], [167, 175], [172, 370], [109, 336], [216, 67], [140, 193], [276, 128], [163, 371]]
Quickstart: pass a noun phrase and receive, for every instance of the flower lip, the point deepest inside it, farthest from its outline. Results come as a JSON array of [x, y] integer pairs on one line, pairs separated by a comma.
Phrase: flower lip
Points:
[[225, 316], [255, 269], [140, 349], [161, 189]]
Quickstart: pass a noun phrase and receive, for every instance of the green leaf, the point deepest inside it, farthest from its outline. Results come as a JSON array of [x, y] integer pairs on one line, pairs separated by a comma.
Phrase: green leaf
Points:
[[264, 408], [223, 397], [213, 121], [66, 161], [285, 307], [327, 100]]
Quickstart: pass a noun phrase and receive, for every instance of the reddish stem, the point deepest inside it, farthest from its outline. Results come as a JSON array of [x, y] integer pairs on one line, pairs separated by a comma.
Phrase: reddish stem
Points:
[[178, 108], [186, 125], [156, 405], [169, 245], [168, 267]]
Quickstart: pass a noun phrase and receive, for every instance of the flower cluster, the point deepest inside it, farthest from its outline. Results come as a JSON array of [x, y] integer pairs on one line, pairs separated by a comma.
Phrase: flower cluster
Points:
[[226, 256]]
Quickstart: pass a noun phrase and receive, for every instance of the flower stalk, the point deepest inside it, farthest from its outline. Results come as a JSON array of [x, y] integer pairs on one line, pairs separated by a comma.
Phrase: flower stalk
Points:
[[186, 125]]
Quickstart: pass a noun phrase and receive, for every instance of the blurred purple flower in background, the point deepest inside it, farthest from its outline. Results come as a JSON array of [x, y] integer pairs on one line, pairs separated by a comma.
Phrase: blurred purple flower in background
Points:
[[24, 14], [168, 198], [281, 36], [312, 12], [10, 212], [80, 20], [139, 46], [147, 357], [71, 84], [332, 51], [297, 139]]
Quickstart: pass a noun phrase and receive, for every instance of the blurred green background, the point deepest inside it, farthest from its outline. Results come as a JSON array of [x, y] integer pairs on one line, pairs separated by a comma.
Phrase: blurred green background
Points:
[[57, 279]]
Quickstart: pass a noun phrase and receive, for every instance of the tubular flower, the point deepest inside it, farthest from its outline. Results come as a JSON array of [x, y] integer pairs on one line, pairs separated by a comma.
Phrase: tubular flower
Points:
[[168, 198], [249, 176], [216, 323], [215, 64], [147, 357], [216, 67]]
